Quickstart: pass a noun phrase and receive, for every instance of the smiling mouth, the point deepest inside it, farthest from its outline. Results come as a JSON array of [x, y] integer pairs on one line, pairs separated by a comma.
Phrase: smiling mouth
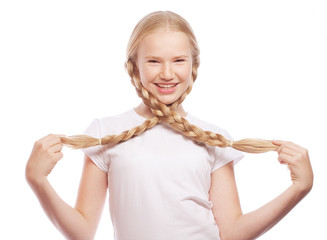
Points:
[[166, 85]]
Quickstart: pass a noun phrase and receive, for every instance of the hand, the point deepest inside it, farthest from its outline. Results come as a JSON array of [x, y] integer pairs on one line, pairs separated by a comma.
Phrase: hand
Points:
[[298, 162], [45, 155]]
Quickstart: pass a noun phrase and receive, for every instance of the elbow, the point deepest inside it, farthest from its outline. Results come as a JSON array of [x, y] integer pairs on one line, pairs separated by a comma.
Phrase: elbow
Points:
[[80, 236], [233, 232], [231, 237], [77, 231], [225, 234], [225, 237]]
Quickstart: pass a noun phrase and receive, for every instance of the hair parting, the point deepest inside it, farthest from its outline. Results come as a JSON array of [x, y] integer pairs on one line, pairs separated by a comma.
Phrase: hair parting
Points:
[[166, 113]]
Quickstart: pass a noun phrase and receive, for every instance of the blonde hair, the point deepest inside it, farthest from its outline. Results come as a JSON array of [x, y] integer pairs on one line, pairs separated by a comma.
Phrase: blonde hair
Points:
[[166, 113]]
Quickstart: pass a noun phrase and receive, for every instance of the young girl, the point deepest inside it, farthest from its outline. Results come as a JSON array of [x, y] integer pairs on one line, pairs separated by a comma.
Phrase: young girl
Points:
[[170, 175]]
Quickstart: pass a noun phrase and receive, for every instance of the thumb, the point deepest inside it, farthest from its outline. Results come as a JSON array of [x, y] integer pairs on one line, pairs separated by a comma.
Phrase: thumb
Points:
[[278, 142]]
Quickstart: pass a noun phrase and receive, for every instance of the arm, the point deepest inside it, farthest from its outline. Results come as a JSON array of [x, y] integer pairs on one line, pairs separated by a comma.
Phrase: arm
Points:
[[75, 223], [233, 224]]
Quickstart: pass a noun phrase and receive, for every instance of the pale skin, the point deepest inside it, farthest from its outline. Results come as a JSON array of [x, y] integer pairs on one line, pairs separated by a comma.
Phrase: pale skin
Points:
[[169, 65]]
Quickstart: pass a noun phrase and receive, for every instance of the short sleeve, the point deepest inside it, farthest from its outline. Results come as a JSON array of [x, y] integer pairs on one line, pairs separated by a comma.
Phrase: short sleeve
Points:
[[96, 154], [225, 155]]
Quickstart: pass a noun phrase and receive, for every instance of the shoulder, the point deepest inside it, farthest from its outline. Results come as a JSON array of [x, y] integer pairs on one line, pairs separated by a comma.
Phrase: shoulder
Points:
[[222, 155], [114, 124]]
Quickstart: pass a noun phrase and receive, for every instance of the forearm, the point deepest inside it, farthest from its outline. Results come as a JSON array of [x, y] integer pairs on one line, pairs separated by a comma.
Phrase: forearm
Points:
[[254, 224], [68, 220]]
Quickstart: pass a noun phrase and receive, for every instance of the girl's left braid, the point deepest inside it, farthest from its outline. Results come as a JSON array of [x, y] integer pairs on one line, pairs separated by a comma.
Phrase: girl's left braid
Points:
[[169, 115]]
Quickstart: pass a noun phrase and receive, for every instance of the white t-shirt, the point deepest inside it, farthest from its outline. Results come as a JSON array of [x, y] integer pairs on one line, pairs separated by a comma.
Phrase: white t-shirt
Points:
[[159, 181]]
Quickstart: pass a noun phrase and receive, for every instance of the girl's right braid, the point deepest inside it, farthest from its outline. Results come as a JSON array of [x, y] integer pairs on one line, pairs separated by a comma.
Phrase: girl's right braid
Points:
[[84, 141], [197, 134], [169, 115], [114, 139]]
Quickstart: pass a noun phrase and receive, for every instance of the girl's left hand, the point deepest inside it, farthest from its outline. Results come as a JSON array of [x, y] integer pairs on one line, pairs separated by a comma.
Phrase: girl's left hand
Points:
[[298, 161]]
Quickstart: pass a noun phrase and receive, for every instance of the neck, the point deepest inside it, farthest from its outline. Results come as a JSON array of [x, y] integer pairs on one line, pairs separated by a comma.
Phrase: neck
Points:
[[145, 111]]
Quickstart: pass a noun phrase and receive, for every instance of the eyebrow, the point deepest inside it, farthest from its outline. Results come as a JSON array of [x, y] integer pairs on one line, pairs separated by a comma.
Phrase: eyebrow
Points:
[[179, 56]]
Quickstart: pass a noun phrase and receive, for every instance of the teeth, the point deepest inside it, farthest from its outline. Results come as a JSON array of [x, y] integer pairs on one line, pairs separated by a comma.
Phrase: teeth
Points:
[[166, 86]]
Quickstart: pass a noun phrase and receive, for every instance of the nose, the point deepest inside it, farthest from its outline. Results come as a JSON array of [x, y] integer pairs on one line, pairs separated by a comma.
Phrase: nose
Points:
[[167, 72]]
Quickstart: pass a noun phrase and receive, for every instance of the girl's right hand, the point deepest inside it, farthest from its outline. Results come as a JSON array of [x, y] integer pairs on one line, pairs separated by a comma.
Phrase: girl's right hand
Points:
[[298, 162], [45, 154]]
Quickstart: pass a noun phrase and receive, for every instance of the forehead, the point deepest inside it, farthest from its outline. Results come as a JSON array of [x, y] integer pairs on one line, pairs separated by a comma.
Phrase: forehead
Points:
[[165, 42]]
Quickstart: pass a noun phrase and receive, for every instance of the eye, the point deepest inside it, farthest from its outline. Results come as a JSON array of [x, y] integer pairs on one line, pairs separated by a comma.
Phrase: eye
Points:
[[152, 61], [180, 60]]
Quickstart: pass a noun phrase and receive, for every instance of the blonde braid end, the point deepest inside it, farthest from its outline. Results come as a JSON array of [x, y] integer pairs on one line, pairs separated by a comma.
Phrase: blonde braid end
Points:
[[251, 145]]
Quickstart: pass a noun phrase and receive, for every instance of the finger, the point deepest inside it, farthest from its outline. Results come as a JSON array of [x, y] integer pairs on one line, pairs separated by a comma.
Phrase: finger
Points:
[[56, 148], [58, 156], [56, 138], [49, 140], [289, 144], [293, 150], [60, 136], [278, 142], [281, 161], [285, 158], [289, 151], [284, 145], [295, 147]]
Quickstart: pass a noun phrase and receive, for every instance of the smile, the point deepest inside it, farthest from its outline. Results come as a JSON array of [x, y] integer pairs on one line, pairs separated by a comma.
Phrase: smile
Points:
[[166, 85], [166, 88]]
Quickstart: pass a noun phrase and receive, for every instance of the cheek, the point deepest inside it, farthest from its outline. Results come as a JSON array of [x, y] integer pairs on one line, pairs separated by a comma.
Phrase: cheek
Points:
[[147, 75], [186, 73]]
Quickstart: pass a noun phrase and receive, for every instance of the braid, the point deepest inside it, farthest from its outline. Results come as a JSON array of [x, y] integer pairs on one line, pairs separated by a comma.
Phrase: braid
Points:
[[169, 115], [166, 113], [84, 141], [180, 124]]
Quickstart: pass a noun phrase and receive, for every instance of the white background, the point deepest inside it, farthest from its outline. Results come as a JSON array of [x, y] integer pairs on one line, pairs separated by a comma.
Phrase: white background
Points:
[[263, 72]]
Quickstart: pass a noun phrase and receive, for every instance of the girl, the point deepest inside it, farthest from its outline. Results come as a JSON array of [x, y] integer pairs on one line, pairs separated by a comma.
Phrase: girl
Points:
[[167, 178]]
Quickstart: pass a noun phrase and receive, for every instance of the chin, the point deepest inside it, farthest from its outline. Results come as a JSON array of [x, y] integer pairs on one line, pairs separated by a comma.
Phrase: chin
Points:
[[166, 101]]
